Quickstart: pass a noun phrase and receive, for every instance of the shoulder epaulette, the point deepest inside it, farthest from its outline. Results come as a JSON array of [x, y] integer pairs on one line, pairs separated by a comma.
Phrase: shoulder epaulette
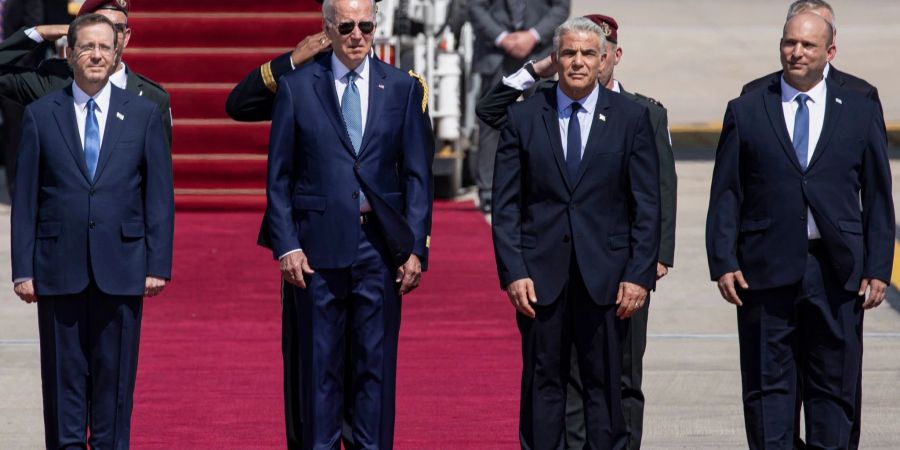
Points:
[[649, 99], [268, 77], [424, 89]]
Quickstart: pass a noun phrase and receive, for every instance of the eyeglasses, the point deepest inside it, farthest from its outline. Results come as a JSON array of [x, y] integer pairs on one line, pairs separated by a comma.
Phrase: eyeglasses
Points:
[[346, 28], [89, 49]]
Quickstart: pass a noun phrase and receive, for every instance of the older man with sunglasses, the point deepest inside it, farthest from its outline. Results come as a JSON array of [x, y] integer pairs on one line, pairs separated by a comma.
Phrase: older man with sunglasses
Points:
[[349, 203]]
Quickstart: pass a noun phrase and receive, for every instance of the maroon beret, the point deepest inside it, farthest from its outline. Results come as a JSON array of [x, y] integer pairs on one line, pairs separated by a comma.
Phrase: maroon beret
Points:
[[92, 6], [608, 24]]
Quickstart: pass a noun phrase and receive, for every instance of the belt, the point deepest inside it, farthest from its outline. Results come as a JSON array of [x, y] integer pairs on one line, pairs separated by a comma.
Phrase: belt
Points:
[[365, 218]]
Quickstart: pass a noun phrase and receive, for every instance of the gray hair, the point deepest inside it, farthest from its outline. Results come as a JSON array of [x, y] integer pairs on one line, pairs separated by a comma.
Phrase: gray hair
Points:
[[578, 24], [328, 9], [801, 6]]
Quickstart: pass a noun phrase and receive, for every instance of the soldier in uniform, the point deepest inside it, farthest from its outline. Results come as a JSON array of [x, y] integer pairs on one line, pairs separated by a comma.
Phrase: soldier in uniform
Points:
[[26, 84], [633, 333], [252, 100]]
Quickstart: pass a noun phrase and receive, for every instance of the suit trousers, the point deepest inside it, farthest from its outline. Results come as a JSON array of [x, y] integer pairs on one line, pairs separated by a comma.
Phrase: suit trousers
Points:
[[572, 322], [804, 340], [365, 299], [89, 353], [633, 337]]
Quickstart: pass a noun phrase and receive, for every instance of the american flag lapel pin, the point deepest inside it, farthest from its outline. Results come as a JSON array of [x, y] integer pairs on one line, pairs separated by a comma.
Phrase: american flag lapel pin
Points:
[[838, 101], [120, 116], [601, 117]]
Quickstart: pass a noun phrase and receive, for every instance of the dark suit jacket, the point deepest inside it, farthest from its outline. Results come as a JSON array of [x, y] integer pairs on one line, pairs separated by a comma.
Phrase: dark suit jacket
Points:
[[609, 216], [27, 84], [490, 18], [492, 110], [116, 228], [842, 79], [314, 176], [759, 197]]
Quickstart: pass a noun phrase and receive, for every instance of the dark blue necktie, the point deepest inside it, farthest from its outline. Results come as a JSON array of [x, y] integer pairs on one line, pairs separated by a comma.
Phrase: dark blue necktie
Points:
[[573, 143], [352, 112], [91, 139], [801, 130]]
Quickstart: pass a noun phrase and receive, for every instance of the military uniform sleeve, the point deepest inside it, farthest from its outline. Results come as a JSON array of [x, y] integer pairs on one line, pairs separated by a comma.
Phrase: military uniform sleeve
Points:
[[253, 98], [16, 46], [668, 185], [25, 85]]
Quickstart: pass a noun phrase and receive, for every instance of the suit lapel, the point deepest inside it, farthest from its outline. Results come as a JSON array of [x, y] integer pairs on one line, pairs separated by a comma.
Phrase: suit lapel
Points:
[[551, 121], [775, 112], [113, 130], [595, 136], [376, 102], [68, 126], [832, 117], [327, 95]]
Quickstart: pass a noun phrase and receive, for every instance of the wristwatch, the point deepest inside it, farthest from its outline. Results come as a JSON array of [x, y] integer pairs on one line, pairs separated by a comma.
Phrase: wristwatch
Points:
[[529, 67]]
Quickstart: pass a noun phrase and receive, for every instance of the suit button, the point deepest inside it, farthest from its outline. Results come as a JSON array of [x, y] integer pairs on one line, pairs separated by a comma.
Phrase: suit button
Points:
[[92, 192], [355, 194], [571, 206], [92, 225], [566, 238], [356, 166]]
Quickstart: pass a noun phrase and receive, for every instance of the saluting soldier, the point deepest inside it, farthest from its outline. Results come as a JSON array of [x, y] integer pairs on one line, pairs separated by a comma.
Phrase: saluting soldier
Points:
[[633, 333]]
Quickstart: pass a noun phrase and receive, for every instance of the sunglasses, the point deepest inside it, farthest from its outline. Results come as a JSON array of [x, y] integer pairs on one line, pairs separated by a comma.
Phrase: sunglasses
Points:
[[365, 27]]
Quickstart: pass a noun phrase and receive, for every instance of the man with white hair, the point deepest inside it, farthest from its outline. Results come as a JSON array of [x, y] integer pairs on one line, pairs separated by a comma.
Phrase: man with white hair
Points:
[[576, 234]]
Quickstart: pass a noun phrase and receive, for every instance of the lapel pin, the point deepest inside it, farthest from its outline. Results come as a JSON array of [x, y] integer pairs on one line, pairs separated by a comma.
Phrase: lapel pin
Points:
[[120, 116], [601, 117], [380, 86], [141, 94], [839, 101]]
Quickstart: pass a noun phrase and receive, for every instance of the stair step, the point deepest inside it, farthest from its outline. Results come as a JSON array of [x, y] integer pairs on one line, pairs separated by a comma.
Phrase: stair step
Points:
[[219, 174], [222, 30], [245, 6], [199, 136], [198, 65], [198, 100]]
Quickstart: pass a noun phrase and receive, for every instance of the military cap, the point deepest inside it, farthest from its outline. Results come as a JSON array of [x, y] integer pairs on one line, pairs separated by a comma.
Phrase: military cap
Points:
[[92, 6], [608, 24]]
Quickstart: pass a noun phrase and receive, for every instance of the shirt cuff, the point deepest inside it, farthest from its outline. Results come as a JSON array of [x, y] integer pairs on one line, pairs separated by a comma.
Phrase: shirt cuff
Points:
[[500, 38], [22, 280], [288, 253], [520, 80], [34, 35], [535, 33], [291, 60]]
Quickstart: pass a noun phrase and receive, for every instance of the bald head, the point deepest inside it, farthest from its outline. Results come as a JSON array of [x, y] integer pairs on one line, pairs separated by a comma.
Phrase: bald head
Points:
[[807, 44]]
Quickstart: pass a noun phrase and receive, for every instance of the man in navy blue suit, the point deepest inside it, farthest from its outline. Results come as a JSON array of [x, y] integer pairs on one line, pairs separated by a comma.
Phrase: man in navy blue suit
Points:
[[800, 237], [349, 204], [576, 235], [92, 225]]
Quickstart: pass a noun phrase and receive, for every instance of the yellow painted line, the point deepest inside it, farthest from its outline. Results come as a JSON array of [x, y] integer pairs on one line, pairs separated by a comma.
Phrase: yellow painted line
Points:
[[895, 271]]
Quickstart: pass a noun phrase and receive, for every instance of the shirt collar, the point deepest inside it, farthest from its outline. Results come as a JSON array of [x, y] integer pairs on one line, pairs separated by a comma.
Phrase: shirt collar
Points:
[[816, 94], [119, 79], [340, 70], [825, 72], [588, 103], [101, 98], [616, 88]]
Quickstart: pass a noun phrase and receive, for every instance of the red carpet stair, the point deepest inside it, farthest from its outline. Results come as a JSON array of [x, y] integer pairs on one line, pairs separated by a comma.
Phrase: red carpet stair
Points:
[[198, 51]]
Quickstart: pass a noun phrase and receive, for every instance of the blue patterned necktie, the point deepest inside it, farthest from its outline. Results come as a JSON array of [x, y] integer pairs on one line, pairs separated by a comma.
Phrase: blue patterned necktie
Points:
[[801, 130], [350, 108], [573, 143], [91, 139]]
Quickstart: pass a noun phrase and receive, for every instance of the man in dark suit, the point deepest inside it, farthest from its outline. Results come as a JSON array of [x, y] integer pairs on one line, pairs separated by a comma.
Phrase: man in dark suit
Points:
[[491, 109], [846, 81], [508, 33], [27, 84], [349, 201], [92, 226], [800, 228], [576, 237]]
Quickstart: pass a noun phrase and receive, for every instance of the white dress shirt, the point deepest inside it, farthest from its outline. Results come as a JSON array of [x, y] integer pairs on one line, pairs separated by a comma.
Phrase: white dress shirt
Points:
[[816, 104], [101, 98], [585, 115]]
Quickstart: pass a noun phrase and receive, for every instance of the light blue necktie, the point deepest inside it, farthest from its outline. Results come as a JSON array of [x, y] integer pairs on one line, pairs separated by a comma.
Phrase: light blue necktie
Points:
[[573, 143], [801, 130], [350, 108], [91, 139]]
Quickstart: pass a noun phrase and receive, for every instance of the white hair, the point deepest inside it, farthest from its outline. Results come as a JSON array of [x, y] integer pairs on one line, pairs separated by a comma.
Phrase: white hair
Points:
[[578, 24], [328, 9]]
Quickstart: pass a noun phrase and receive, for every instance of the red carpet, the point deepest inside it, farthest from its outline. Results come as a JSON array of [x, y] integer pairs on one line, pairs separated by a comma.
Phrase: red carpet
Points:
[[210, 368], [198, 50]]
